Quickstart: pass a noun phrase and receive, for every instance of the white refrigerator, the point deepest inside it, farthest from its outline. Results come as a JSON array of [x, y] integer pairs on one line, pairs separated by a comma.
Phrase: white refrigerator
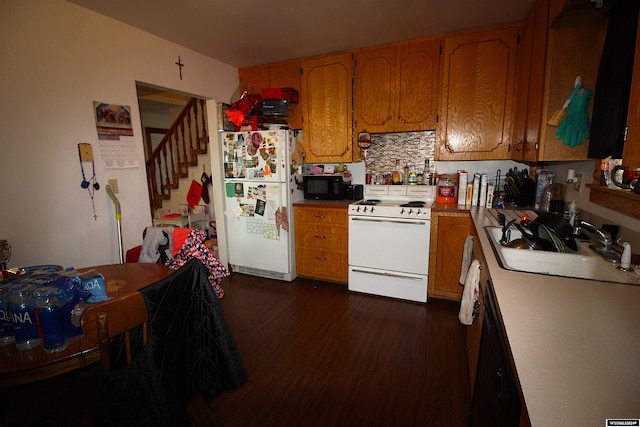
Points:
[[260, 187]]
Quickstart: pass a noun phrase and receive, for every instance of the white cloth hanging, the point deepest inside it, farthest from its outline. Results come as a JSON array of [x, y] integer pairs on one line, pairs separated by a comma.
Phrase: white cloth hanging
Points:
[[470, 293]]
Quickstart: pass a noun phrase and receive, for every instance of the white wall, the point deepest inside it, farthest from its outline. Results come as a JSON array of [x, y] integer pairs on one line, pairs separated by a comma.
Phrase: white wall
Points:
[[629, 227], [57, 59]]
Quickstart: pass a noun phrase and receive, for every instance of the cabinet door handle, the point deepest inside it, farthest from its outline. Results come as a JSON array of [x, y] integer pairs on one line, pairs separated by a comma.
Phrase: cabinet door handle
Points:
[[449, 148], [320, 237], [520, 145], [499, 383], [319, 258]]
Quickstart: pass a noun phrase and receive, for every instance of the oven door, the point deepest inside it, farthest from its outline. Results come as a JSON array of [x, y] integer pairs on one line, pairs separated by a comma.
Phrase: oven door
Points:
[[389, 257], [395, 244]]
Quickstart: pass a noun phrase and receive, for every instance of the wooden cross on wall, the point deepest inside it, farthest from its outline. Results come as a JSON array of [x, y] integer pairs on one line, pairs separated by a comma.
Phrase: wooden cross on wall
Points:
[[180, 65]]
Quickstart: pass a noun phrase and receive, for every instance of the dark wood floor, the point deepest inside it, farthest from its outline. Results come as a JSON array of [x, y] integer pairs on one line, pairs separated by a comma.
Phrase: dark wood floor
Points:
[[317, 355]]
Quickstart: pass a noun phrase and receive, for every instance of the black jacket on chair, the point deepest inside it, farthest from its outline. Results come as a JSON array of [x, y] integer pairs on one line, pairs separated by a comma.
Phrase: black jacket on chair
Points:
[[190, 351]]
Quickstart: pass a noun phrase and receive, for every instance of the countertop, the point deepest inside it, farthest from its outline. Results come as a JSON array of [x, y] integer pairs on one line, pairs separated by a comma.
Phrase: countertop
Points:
[[575, 343]]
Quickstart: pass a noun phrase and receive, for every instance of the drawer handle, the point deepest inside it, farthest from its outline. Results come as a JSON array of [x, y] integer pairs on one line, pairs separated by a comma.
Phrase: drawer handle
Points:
[[385, 274], [499, 383], [320, 237], [320, 258], [319, 216]]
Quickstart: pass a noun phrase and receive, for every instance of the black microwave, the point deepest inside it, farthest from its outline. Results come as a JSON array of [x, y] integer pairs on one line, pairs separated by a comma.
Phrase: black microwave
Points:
[[323, 187]]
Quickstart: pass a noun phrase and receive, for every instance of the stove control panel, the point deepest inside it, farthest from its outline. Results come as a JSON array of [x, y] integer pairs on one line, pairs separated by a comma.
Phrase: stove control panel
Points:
[[395, 211]]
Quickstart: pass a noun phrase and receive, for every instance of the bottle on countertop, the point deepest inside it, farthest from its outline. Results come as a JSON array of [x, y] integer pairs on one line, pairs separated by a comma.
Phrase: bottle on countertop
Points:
[[572, 213], [396, 176], [405, 175], [413, 175], [446, 191], [427, 173], [547, 193]]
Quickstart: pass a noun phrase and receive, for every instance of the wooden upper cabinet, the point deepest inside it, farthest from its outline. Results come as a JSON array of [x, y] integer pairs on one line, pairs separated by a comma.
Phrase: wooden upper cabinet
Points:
[[549, 61], [478, 79], [374, 90], [418, 75], [255, 77], [631, 154], [327, 108], [287, 74], [556, 9], [396, 87], [530, 83], [280, 74]]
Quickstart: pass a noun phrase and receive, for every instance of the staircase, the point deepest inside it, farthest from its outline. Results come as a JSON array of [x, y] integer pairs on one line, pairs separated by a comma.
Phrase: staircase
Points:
[[177, 151]]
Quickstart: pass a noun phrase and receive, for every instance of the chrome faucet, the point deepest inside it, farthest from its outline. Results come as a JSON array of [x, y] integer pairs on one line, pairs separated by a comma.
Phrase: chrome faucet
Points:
[[602, 237]]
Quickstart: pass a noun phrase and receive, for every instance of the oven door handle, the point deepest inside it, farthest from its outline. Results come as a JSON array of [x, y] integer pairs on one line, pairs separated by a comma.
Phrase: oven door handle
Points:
[[385, 274], [395, 221]]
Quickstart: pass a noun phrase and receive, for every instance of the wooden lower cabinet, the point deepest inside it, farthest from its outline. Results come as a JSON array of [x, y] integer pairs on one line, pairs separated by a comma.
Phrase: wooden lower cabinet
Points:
[[449, 231], [321, 235]]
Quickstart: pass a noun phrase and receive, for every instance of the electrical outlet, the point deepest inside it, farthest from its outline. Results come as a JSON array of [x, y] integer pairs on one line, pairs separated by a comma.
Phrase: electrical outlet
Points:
[[577, 183], [113, 184]]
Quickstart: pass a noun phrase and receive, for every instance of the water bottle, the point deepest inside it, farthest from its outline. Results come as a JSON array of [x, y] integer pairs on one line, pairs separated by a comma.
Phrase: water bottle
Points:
[[23, 315], [72, 295], [6, 325], [48, 302], [547, 193]]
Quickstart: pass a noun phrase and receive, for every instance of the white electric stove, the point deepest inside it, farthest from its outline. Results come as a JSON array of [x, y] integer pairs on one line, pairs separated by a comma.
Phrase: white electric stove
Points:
[[389, 234]]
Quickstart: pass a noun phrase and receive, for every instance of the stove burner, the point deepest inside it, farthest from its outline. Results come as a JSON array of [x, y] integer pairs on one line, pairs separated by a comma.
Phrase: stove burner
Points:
[[369, 202], [416, 204]]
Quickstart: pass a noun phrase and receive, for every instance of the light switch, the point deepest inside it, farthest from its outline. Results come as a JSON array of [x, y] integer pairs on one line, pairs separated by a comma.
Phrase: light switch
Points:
[[113, 184]]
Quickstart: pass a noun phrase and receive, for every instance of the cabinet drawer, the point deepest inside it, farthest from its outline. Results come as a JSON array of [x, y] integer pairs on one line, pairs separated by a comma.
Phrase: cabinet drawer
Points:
[[321, 216], [323, 237], [322, 264]]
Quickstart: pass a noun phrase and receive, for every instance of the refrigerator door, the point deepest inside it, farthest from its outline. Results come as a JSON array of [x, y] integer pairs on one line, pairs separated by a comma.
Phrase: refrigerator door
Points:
[[256, 155], [258, 224]]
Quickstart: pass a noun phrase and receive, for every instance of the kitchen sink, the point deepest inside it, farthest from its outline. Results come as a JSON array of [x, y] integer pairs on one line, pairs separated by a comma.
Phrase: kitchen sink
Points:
[[584, 263]]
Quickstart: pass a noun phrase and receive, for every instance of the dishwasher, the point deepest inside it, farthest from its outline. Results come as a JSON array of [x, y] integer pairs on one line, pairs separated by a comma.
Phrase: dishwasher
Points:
[[495, 402]]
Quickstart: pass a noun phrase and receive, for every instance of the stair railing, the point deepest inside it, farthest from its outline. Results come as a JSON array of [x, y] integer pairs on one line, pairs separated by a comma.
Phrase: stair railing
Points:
[[176, 152]]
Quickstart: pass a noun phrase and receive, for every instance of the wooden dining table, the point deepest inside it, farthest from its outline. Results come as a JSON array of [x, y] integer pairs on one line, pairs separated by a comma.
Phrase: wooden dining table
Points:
[[21, 367]]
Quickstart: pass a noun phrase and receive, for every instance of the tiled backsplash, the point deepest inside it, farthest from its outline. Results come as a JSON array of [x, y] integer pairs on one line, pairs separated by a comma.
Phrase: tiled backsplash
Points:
[[410, 148]]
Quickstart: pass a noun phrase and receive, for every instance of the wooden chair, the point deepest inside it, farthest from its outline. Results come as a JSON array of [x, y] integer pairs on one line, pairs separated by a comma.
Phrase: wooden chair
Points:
[[102, 322], [118, 316]]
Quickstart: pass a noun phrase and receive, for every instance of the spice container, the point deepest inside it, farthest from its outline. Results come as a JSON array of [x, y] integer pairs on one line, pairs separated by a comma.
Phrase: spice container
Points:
[[446, 191]]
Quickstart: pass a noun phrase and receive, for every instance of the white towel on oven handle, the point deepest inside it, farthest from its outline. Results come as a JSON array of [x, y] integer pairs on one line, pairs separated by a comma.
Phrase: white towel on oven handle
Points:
[[470, 294], [467, 255]]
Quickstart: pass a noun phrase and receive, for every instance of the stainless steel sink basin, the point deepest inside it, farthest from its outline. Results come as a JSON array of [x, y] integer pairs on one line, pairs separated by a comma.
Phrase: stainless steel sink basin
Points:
[[583, 263]]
